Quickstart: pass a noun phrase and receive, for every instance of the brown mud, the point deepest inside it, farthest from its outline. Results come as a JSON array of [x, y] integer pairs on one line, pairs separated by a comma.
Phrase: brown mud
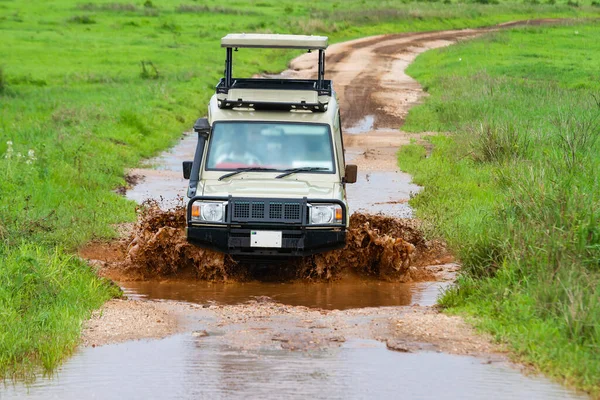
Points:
[[377, 246]]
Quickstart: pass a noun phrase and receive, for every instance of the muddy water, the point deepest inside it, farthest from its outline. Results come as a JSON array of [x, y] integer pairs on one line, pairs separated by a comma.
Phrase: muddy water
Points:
[[186, 367], [341, 295]]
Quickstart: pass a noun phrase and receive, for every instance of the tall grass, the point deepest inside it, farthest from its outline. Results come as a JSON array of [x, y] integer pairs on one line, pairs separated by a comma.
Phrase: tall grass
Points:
[[515, 190], [44, 294]]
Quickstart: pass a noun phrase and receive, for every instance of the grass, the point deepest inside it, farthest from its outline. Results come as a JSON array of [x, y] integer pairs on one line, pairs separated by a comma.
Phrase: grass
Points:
[[514, 188], [88, 89], [44, 295]]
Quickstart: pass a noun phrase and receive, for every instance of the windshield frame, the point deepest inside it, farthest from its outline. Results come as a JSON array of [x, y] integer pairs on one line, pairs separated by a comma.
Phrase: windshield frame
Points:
[[275, 170]]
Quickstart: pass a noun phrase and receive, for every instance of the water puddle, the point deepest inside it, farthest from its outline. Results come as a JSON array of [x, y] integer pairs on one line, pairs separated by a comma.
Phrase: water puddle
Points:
[[382, 193], [188, 367], [163, 181], [341, 295], [362, 126]]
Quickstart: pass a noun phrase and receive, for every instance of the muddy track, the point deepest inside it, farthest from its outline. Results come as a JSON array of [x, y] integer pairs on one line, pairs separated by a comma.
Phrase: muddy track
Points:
[[369, 78], [380, 88], [375, 96], [368, 74]]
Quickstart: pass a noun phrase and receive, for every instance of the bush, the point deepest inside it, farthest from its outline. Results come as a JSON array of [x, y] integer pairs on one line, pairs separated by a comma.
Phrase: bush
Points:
[[499, 142], [82, 19]]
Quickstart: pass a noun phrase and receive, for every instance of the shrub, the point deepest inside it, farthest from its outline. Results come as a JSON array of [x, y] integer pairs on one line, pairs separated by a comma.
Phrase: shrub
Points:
[[149, 70], [81, 19], [499, 143]]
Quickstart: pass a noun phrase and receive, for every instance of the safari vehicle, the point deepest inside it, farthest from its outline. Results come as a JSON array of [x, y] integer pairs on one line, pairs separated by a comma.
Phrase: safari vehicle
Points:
[[268, 177]]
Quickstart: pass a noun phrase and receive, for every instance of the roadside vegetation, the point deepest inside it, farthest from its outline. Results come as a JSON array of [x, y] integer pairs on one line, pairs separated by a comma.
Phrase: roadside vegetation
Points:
[[514, 188], [88, 89]]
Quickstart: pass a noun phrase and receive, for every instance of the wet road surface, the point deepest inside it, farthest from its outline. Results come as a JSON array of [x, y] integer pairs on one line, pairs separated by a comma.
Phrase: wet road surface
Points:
[[185, 367]]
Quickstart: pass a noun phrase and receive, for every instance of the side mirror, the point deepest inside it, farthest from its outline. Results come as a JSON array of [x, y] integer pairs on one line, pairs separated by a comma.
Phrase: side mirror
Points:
[[187, 169], [351, 173]]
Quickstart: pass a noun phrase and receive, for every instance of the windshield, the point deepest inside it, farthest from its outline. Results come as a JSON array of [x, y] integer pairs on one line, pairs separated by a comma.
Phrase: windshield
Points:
[[275, 145]]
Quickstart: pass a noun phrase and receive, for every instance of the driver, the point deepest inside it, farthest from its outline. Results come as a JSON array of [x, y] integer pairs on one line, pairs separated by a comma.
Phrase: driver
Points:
[[238, 152]]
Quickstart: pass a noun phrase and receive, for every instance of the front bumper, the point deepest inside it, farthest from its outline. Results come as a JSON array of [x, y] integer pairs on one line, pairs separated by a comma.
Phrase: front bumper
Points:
[[236, 241], [299, 238]]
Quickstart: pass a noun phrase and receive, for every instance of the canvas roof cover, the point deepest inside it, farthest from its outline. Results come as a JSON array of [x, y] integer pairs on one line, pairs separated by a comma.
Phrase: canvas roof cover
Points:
[[274, 41]]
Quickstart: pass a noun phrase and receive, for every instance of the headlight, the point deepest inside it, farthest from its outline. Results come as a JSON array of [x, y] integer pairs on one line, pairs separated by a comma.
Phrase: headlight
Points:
[[208, 211], [325, 214]]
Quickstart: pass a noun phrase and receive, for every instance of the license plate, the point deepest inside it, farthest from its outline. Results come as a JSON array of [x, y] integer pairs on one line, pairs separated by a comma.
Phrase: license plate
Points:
[[265, 239]]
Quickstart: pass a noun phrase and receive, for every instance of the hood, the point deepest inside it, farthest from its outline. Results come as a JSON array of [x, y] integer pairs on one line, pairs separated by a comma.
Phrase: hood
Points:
[[269, 188]]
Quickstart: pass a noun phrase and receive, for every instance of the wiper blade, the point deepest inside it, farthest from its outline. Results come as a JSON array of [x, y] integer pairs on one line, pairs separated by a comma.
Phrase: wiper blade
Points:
[[248, 169], [303, 169]]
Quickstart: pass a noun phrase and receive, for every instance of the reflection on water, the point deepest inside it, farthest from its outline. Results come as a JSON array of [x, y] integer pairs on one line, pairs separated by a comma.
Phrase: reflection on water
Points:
[[363, 126], [184, 367], [382, 192], [341, 295]]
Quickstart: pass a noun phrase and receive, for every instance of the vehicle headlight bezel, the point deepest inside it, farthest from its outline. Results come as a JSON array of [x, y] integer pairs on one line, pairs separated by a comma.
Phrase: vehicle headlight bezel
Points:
[[208, 211], [325, 214]]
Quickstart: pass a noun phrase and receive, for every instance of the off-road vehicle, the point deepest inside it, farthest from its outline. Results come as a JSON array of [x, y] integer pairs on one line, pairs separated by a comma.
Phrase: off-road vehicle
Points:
[[268, 177]]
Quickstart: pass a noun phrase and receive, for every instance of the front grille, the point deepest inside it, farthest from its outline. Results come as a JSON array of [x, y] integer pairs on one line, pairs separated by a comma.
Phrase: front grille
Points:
[[241, 210], [266, 210], [275, 210], [292, 211], [258, 210]]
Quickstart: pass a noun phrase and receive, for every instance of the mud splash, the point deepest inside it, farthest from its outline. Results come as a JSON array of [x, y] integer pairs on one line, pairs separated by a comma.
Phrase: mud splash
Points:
[[157, 247], [377, 246]]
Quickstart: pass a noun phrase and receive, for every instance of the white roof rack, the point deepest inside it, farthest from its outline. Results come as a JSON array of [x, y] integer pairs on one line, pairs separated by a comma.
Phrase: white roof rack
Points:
[[274, 41]]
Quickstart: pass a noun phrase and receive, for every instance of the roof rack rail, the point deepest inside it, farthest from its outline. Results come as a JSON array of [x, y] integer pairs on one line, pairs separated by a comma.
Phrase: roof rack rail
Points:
[[274, 94]]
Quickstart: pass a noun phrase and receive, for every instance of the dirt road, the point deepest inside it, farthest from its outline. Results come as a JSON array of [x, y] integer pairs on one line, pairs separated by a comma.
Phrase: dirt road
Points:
[[353, 338]]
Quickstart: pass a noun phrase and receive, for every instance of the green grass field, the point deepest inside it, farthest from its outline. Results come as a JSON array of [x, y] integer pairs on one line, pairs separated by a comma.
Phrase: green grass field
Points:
[[90, 89], [514, 188]]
